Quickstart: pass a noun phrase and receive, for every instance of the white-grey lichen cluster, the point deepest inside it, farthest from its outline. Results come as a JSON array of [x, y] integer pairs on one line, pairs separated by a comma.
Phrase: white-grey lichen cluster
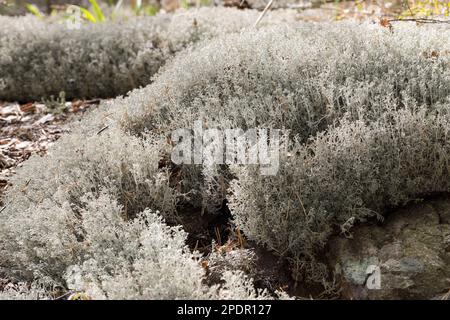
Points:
[[368, 109]]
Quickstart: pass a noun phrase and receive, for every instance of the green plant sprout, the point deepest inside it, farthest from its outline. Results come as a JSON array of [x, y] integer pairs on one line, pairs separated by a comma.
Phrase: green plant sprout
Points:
[[425, 8]]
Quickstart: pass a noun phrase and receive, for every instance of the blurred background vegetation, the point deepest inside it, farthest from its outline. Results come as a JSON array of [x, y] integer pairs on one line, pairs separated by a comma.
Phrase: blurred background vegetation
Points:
[[19, 7], [310, 9]]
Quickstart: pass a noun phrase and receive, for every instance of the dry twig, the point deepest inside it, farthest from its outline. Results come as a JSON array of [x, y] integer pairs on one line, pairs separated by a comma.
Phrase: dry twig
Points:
[[263, 13]]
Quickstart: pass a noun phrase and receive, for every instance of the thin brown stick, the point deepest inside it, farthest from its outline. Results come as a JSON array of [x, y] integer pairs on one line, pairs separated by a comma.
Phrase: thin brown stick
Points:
[[219, 238], [263, 13]]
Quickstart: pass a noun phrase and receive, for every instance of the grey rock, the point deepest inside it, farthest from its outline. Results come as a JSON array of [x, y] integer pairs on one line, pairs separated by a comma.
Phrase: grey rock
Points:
[[411, 251]]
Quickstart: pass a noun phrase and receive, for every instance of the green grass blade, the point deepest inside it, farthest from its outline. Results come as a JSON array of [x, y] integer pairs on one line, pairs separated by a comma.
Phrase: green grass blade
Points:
[[97, 11]]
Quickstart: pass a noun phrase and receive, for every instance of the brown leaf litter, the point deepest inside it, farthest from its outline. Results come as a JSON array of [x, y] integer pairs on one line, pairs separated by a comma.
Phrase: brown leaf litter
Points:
[[31, 129]]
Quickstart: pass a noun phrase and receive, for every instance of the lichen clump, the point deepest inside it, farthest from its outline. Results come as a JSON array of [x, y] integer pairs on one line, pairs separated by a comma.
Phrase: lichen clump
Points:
[[367, 109]]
